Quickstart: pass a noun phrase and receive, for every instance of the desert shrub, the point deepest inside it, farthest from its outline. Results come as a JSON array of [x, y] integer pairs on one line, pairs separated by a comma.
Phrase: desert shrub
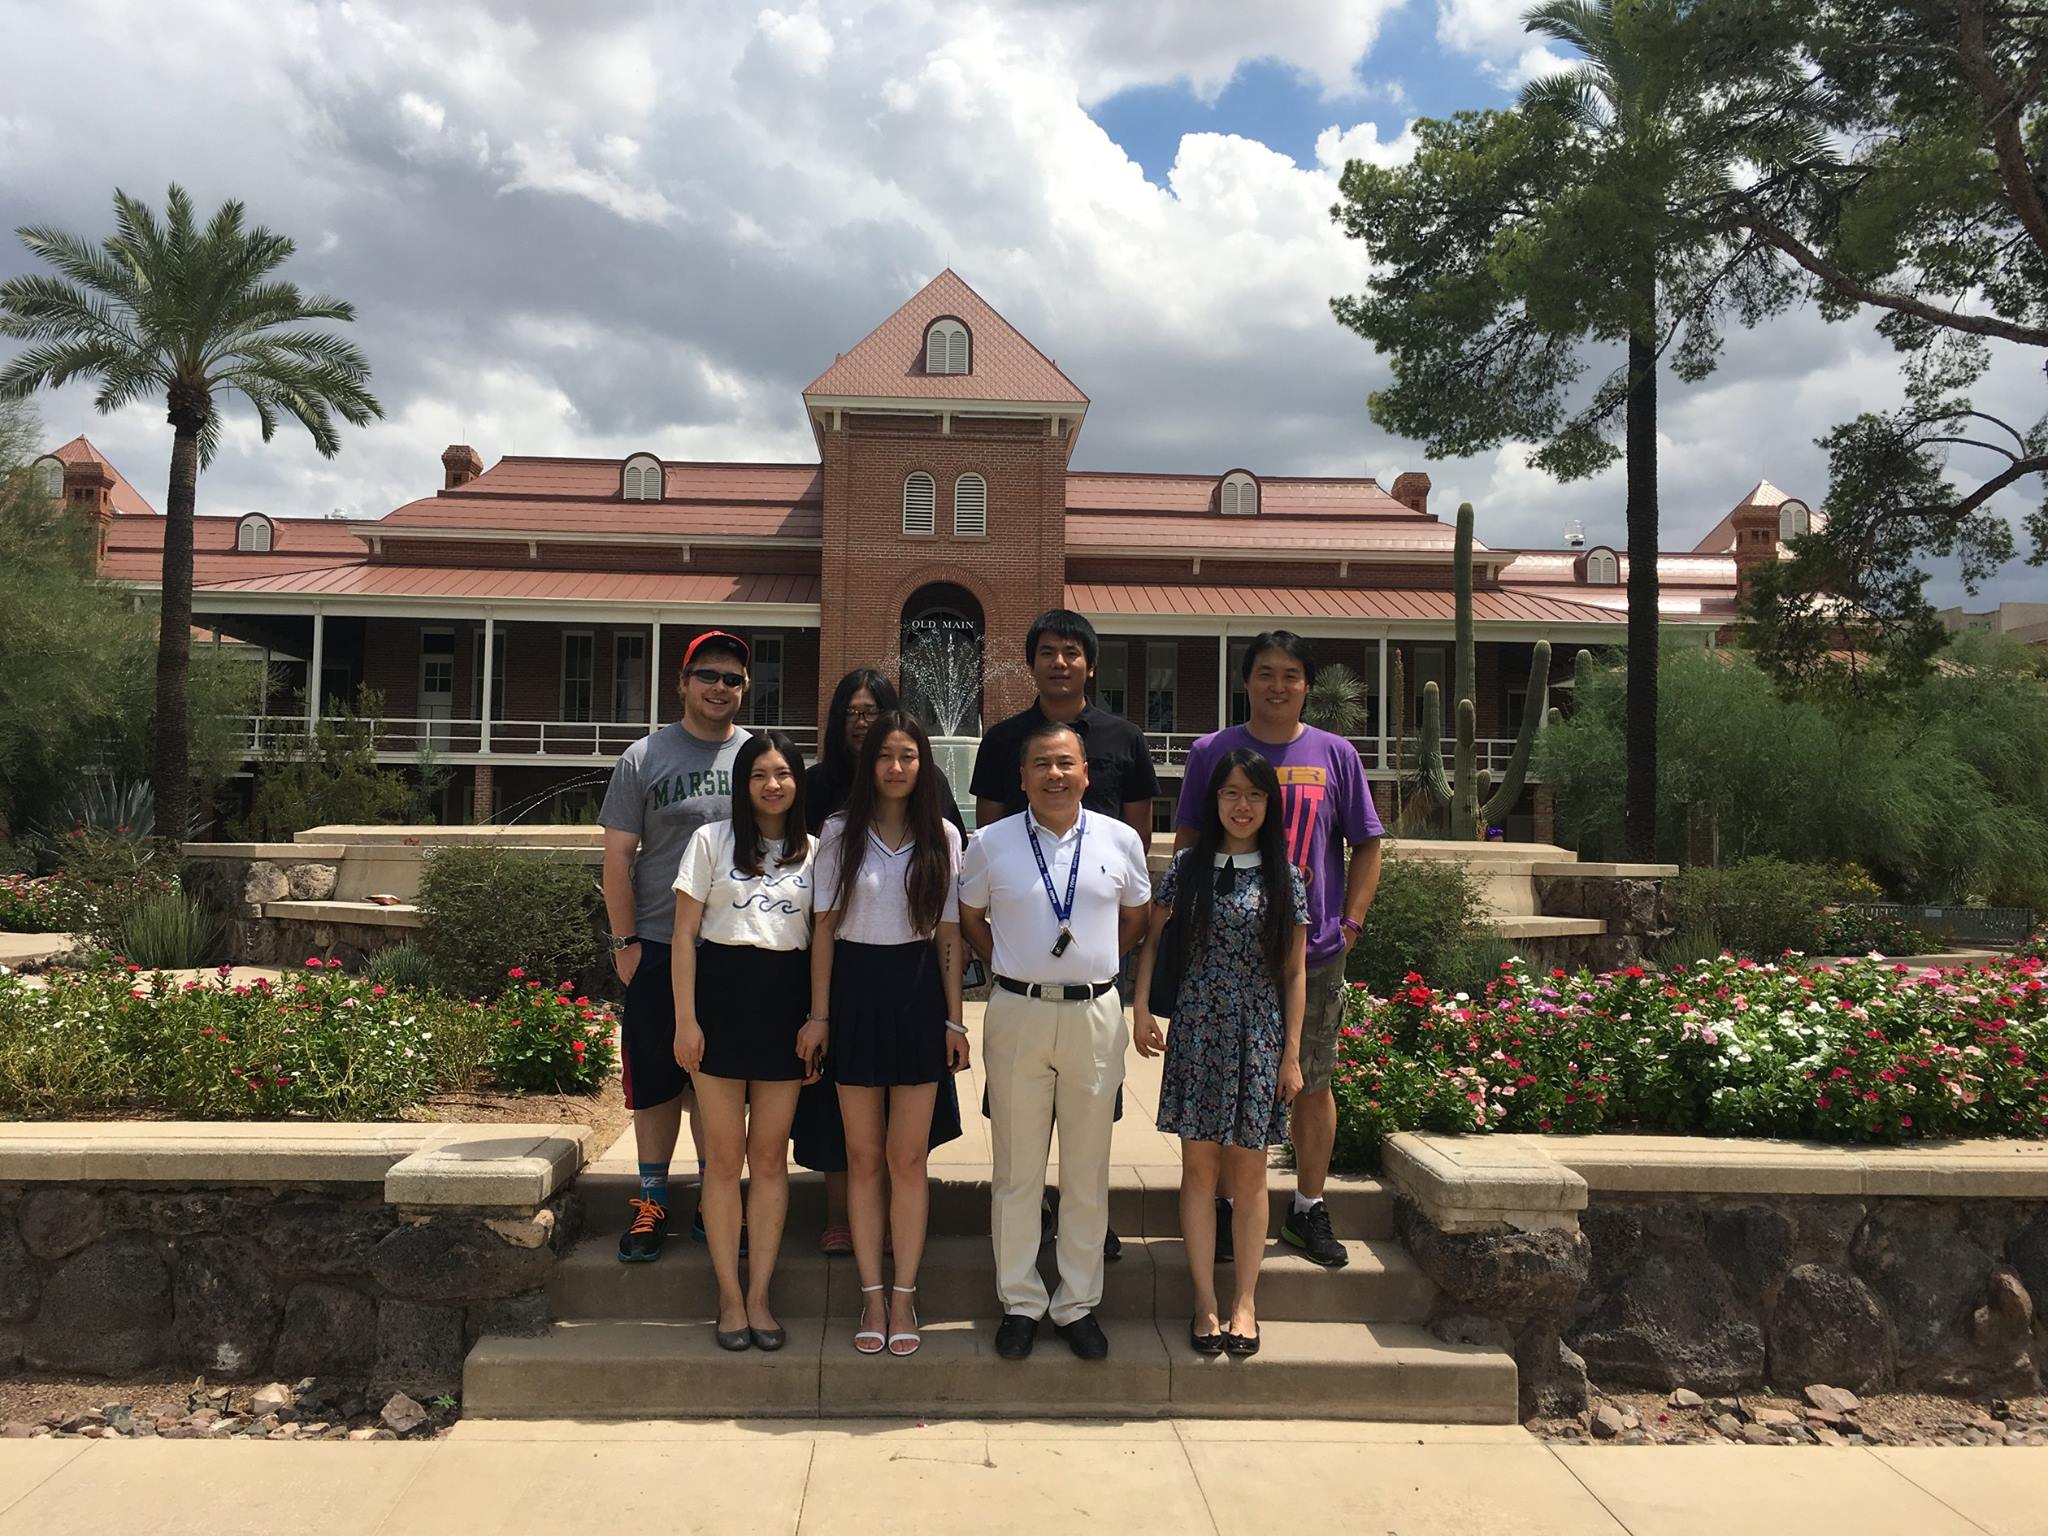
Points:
[[98, 878], [1760, 907], [168, 931], [489, 911], [29, 905], [1426, 911], [331, 778], [1475, 962], [400, 965], [550, 1041]]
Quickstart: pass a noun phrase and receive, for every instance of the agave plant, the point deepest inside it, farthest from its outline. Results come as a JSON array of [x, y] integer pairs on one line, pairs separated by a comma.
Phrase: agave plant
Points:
[[1337, 701]]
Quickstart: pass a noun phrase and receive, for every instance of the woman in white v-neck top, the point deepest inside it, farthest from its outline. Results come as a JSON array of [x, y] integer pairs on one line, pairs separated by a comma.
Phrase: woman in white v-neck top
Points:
[[886, 960]]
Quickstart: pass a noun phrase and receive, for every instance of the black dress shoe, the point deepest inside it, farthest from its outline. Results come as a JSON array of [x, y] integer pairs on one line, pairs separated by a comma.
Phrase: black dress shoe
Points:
[[1085, 1337], [1015, 1336], [1112, 1247], [1240, 1346]]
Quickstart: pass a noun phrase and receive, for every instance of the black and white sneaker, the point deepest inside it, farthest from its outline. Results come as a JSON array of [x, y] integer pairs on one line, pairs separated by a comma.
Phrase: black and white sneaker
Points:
[[1309, 1231]]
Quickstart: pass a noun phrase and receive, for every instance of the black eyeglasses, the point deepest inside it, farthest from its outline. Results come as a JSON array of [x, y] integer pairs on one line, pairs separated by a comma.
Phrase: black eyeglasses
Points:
[[713, 675], [869, 715]]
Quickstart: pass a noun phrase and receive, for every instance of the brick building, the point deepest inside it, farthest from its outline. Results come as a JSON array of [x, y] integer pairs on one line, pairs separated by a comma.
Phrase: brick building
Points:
[[941, 504]]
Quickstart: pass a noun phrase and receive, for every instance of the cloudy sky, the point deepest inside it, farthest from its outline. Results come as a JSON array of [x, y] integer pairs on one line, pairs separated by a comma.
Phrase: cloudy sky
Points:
[[595, 227]]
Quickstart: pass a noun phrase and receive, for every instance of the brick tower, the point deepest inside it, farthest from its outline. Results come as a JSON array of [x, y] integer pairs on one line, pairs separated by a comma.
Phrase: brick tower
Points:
[[944, 437]]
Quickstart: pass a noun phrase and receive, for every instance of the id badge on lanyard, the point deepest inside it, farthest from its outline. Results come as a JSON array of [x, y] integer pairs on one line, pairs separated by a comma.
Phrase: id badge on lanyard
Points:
[[1062, 913]]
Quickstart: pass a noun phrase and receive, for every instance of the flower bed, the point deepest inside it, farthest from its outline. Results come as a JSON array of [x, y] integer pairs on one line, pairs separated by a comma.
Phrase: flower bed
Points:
[[49, 905], [320, 1044], [1865, 1051]]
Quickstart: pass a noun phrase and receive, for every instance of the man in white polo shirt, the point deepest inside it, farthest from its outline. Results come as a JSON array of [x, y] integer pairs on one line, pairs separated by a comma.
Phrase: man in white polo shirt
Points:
[[1052, 898]]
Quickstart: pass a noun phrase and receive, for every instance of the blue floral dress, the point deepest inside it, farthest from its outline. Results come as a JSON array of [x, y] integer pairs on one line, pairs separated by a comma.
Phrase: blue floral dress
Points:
[[1222, 1076]]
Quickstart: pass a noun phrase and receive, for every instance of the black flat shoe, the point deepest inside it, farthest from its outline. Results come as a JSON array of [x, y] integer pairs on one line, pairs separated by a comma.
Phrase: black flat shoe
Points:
[[1085, 1337], [1015, 1336], [1205, 1343], [770, 1339], [736, 1340], [1238, 1347]]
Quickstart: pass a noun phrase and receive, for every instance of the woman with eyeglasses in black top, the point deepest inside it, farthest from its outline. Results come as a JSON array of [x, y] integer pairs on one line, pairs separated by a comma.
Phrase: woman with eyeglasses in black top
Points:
[[1238, 912]]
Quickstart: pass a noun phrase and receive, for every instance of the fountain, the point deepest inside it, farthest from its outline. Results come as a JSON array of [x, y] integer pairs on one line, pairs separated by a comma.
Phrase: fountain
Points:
[[943, 674]]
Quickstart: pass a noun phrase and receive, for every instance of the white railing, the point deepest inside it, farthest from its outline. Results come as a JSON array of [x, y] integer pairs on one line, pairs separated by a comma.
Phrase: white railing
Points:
[[407, 737], [1170, 751]]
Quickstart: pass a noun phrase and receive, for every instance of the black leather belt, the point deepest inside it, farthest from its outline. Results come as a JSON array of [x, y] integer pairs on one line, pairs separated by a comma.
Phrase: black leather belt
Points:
[[1056, 991]]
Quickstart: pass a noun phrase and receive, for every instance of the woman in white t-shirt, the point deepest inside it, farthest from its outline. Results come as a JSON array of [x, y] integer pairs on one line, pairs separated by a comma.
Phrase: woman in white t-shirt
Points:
[[885, 986], [742, 984]]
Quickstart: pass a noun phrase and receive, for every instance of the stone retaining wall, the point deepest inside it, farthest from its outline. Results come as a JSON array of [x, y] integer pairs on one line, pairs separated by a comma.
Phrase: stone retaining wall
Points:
[[1666, 1262], [1629, 898], [266, 1282]]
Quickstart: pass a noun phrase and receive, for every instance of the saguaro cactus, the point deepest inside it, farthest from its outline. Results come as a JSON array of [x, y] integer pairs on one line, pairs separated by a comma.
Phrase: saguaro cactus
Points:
[[1473, 799]]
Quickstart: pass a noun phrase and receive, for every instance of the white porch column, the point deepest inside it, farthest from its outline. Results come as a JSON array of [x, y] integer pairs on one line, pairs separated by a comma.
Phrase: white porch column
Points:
[[490, 669], [654, 675], [1384, 700], [1223, 678], [313, 668]]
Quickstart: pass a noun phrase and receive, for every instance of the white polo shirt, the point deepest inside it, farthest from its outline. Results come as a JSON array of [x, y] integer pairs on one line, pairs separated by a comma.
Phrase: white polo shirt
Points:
[[1000, 874]]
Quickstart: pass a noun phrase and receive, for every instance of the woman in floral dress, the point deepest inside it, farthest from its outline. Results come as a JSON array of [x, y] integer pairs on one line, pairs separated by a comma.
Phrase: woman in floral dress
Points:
[[1239, 925]]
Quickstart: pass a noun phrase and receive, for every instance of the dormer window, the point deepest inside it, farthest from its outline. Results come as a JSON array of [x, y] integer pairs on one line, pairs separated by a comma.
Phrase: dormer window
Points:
[[1603, 568], [1240, 495], [946, 347], [642, 479], [49, 478], [254, 535], [1795, 520]]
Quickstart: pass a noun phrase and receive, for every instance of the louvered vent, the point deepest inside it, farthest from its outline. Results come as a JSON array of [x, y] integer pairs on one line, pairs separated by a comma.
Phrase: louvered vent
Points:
[[920, 505], [970, 507]]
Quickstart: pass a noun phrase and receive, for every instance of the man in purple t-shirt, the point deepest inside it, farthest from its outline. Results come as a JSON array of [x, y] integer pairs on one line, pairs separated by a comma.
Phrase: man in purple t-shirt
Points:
[[1325, 805]]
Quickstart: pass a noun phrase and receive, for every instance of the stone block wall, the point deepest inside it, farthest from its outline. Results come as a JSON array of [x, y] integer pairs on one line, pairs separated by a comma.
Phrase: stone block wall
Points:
[[1634, 907], [1725, 1293], [256, 1282]]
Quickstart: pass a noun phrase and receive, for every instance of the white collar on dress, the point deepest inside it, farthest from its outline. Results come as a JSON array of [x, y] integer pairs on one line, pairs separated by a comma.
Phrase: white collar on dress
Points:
[[1239, 860]]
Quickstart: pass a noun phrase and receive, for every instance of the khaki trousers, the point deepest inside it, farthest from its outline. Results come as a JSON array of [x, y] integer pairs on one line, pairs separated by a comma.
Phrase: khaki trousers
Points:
[[1052, 1063]]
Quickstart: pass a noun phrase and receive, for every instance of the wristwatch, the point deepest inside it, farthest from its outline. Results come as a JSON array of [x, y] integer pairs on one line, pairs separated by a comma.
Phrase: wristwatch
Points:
[[626, 942]]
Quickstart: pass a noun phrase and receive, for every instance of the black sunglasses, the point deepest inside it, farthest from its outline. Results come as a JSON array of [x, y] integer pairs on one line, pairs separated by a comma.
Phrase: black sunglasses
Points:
[[713, 675]]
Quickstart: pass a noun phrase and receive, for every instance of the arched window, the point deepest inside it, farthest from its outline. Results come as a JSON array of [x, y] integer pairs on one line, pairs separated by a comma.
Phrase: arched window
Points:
[[49, 478], [920, 504], [970, 507], [1795, 519], [1240, 495], [642, 479], [1603, 568], [946, 347], [253, 535]]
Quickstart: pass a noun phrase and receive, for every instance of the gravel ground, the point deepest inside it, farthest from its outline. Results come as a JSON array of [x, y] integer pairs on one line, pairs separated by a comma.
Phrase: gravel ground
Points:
[[1819, 1416]]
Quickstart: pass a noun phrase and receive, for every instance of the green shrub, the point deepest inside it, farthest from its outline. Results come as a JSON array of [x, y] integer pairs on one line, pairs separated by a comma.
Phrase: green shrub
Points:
[[99, 876], [400, 965], [1859, 931], [1475, 962], [169, 931], [40, 906], [1761, 907], [331, 778], [1688, 946], [490, 911], [550, 1042], [1426, 911]]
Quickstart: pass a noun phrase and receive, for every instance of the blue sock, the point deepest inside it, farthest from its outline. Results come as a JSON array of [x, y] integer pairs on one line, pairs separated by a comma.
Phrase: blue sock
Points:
[[654, 1183]]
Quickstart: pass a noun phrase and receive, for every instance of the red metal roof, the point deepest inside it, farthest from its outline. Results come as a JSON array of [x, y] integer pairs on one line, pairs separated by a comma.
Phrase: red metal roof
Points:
[[1309, 535], [1291, 496], [135, 548], [477, 583], [1549, 567], [565, 519], [888, 363], [1196, 600], [682, 480], [124, 496]]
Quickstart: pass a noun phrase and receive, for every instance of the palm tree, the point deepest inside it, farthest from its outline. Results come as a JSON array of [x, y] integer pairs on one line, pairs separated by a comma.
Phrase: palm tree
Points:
[[167, 308]]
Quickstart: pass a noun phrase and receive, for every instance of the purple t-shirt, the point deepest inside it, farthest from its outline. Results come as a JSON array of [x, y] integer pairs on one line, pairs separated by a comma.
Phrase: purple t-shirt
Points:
[[1325, 803]]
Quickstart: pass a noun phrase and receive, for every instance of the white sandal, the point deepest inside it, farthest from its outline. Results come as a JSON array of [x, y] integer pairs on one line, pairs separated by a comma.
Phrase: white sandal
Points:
[[913, 1336], [869, 1333]]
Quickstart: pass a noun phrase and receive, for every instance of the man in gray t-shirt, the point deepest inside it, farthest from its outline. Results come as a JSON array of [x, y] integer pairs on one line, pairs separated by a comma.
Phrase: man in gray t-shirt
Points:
[[666, 786]]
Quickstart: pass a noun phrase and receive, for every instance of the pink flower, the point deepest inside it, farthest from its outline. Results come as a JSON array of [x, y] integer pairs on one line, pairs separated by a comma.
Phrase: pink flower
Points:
[[312, 962], [516, 972]]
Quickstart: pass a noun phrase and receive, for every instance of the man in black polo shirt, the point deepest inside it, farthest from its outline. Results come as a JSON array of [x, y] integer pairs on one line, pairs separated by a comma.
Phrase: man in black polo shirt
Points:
[[1061, 650]]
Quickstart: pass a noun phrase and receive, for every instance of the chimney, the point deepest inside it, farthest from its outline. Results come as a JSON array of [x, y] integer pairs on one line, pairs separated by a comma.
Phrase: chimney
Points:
[[89, 496], [462, 465], [1411, 489], [1756, 542]]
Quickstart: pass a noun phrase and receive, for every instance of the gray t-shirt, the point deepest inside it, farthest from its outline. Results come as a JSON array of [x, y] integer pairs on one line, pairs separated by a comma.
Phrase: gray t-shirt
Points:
[[664, 788]]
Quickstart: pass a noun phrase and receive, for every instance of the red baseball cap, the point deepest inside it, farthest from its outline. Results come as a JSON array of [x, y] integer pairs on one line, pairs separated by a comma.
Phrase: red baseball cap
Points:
[[726, 638]]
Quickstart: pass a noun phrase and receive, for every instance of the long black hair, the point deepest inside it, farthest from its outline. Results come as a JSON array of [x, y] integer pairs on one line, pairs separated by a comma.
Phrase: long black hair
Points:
[[747, 850], [931, 873], [833, 755], [1194, 899]]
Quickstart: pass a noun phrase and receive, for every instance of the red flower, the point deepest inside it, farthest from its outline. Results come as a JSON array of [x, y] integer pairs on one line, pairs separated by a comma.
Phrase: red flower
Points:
[[312, 962], [516, 972]]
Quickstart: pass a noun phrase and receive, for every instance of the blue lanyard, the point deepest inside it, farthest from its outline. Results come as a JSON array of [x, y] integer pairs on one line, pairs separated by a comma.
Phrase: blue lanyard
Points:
[[1061, 914]]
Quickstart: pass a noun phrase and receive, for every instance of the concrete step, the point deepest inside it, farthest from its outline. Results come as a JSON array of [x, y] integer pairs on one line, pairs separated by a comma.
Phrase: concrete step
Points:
[[1512, 928], [957, 1279], [1143, 1202], [633, 1370]]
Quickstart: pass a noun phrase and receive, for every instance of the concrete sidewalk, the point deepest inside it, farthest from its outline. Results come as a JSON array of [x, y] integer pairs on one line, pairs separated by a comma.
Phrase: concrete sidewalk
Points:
[[1178, 1477]]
